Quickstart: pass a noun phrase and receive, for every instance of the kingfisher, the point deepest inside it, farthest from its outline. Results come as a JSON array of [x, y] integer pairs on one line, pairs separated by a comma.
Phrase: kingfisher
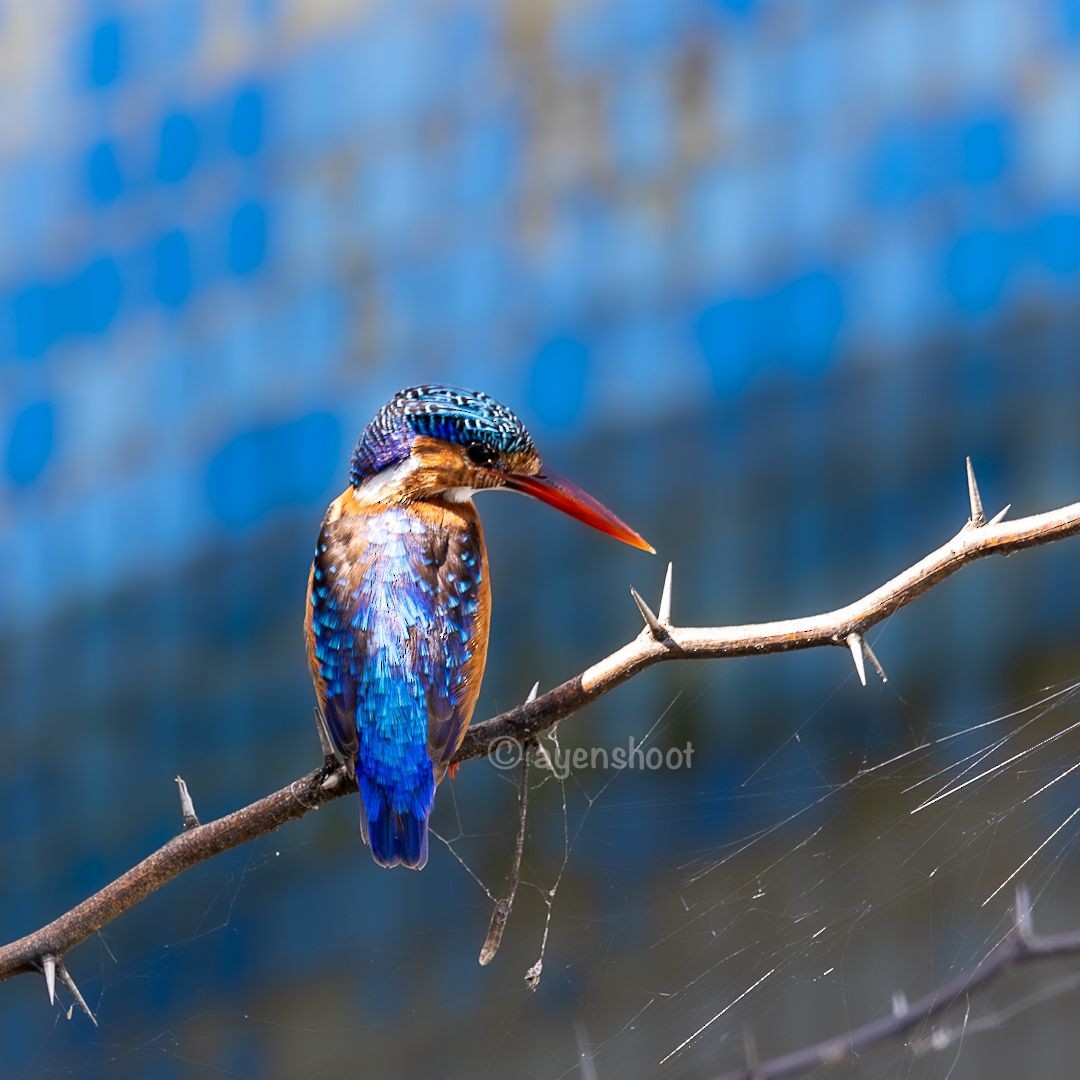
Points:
[[399, 597]]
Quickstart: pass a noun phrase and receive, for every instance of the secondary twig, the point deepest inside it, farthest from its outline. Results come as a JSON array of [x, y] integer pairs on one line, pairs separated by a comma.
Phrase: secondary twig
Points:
[[658, 641], [1021, 946], [501, 915]]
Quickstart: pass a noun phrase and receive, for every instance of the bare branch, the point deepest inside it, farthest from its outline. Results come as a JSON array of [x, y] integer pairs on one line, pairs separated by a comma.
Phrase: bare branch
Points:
[[179, 854], [1021, 946], [538, 714], [829, 628]]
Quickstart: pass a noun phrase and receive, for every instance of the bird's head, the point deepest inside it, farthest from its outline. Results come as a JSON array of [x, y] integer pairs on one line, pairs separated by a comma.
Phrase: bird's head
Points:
[[440, 441]]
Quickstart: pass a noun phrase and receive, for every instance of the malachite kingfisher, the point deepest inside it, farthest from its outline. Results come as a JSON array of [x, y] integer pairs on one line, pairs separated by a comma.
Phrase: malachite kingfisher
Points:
[[399, 597]]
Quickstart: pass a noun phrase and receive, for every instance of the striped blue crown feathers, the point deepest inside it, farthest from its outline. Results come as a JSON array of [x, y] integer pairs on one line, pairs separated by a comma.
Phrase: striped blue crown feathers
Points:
[[439, 412]]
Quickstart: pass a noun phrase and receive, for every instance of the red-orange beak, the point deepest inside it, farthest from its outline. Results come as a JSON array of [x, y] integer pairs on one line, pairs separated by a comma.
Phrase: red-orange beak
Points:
[[570, 499]]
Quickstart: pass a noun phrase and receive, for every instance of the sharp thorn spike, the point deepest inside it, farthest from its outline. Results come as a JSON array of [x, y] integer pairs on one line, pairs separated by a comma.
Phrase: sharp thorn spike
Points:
[[978, 517], [533, 692], [855, 644], [48, 966], [74, 991], [652, 623], [1000, 515], [664, 614], [188, 817], [874, 660], [1022, 913]]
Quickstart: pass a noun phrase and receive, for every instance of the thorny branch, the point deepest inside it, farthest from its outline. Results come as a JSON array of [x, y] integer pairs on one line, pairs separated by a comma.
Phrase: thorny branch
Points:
[[660, 640], [1021, 946]]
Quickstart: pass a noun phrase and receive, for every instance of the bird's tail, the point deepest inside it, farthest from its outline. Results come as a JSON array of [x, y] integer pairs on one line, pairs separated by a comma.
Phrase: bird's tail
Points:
[[396, 837]]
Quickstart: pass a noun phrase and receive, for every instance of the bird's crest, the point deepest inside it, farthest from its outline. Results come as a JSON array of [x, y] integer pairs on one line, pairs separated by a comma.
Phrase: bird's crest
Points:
[[447, 413]]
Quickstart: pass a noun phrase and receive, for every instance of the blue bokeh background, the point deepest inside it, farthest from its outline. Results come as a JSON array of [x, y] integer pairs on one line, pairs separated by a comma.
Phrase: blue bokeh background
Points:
[[759, 273]]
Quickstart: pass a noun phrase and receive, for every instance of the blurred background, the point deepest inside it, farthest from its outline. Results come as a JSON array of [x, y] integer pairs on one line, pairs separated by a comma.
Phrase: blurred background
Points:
[[758, 273]]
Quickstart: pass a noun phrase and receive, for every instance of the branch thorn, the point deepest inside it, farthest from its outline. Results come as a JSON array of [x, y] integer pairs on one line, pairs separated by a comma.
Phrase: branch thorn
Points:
[[860, 649], [48, 967], [533, 692], [872, 657], [188, 817], [664, 614], [73, 990], [1000, 515], [856, 644], [1022, 914], [652, 623], [978, 517]]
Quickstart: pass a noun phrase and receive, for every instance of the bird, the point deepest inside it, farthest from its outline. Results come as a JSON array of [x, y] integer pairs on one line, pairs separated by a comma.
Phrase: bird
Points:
[[399, 597]]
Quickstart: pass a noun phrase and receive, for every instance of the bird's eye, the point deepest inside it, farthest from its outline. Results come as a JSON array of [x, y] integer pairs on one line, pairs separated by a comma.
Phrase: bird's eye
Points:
[[479, 454]]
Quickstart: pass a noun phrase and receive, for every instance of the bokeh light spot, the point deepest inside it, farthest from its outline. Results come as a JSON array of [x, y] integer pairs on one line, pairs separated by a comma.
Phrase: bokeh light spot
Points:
[[31, 443], [273, 467], [247, 238]]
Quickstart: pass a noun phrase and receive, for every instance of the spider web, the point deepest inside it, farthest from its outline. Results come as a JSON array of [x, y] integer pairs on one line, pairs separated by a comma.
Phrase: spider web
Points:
[[980, 778], [970, 767], [706, 964]]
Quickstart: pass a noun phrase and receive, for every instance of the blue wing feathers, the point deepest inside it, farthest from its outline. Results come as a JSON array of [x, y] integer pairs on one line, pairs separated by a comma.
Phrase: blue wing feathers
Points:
[[392, 613]]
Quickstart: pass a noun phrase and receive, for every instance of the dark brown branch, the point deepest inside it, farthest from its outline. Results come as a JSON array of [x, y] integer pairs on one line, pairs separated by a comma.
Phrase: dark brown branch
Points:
[[1022, 946], [656, 643], [192, 846]]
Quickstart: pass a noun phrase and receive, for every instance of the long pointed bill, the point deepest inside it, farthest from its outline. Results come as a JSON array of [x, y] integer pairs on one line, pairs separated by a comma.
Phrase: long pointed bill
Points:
[[570, 499]]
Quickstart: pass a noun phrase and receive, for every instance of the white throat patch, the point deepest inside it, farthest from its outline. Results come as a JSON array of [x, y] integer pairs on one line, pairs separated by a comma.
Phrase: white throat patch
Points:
[[383, 484]]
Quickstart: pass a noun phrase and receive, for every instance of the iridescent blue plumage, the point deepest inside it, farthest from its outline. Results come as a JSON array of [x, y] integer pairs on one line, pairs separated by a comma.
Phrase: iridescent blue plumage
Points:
[[392, 644]]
